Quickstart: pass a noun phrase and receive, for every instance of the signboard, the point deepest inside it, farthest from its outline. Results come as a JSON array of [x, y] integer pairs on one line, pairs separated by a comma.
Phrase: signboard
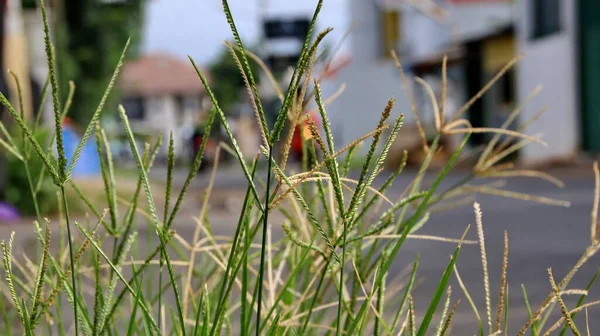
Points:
[[284, 37]]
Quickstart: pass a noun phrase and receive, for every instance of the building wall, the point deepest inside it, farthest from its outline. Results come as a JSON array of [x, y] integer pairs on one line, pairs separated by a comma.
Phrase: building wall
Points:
[[550, 62], [368, 89], [161, 116], [34, 28], [372, 79]]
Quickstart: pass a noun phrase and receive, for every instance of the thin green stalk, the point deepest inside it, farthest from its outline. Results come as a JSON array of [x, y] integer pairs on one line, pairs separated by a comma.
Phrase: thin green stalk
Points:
[[296, 270], [5, 319], [118, 273], [161, 232], [170, 167], [244, 304], [581, 299], [246, 207], [40, 110], [72, 256], [316, 295], [407, 292], [264, 241]]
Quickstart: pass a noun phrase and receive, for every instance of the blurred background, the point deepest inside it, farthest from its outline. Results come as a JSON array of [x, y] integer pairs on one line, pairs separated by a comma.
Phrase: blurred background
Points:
[[560, 40]]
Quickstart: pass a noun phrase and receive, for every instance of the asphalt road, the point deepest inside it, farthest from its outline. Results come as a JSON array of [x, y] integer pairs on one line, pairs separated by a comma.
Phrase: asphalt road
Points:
[[541, 236]]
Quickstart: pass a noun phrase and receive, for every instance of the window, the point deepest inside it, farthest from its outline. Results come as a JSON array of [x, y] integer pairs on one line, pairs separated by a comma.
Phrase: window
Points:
[[134, 108], [546, 18], [390, 31]]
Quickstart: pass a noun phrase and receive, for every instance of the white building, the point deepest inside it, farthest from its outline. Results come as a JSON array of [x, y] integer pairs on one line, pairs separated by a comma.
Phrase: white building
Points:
[[162, 93], [483, 35]]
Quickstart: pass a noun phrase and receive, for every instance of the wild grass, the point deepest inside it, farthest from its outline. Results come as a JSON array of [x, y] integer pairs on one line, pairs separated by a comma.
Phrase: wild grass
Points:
[[127, 269]]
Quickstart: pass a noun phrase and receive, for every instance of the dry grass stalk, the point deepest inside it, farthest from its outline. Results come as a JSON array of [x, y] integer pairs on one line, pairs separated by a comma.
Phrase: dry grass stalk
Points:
[[434, 103], [413, 104], [524, 173], [589, 252], [411, 313], [452, 130], [422, 237], [587, 323], [187, 291], [495, 158], [503, 283], [563, 306], [490, 146], [575, 310], [301, 177], [467, 295], [296, 115], [448, 322], [521, 128], [484, 263], [517, 195], [369, 296], [444, 89], [263, 131], [267, 71], [487, 86]]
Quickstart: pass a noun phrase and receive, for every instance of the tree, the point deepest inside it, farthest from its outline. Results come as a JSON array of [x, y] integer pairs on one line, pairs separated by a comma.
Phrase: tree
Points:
[[227, 79], [90, 36]]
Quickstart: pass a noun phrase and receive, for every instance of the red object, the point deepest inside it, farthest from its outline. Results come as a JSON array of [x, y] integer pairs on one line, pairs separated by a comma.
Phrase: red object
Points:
[[302, 130]]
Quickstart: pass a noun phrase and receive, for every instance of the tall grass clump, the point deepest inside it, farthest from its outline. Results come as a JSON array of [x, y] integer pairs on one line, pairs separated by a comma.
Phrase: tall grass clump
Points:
[[127, 269]]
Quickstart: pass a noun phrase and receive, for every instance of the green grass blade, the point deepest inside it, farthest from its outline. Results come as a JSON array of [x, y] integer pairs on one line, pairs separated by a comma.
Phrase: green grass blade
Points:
[[441, 288], [299, 69], [348, 160], [42, 154], [6, 320], [529, 311], [198, 314], [246, 65], [40, 110], [274, 326], [98, 297], [414, 219], [130, 328], [7, 263], [170, 167], [51, 62], [109, 294], [96, 115], [263, 249], [206, 313], [407, 293], [118, 273], [287, 284], [195, 166], [363, 181], [582, 299], [246, 207], [382, 190], [152, 205], [41, 273], [238, 152], [108, 186]]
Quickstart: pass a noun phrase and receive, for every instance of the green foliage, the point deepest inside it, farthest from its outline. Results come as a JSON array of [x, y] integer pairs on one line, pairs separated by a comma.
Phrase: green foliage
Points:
[[17, 190], [90, 35], [227, 81]]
